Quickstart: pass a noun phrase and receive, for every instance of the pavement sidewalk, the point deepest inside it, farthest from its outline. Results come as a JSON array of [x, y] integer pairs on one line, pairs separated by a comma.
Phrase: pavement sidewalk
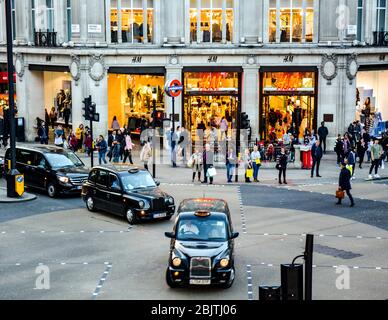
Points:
[[4, 199]]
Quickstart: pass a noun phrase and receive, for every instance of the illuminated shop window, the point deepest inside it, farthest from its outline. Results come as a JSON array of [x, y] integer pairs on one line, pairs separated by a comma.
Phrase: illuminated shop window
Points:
[[220, 82], [132, 21], [211, 20], [296, 20]]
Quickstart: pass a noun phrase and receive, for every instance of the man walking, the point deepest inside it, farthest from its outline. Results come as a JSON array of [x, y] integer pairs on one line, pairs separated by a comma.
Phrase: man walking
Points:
[[316, 153], [323, 132], [344, 184], [376, 154]]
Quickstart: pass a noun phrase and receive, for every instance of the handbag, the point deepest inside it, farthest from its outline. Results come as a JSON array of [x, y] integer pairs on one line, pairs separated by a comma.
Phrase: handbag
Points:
[[277, 166], [249, 173], [211, 172], [190, 163], [340, 194]]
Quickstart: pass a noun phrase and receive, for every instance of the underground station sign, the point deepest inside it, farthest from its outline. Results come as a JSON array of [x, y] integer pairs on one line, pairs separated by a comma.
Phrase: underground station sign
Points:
[[173, 88]]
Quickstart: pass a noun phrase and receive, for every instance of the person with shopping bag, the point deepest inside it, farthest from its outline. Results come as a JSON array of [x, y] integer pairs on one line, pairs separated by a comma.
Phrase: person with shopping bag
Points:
[[208, 163], [256, 162], [247, 161], [195, 162], [344, 185], [146, 154]]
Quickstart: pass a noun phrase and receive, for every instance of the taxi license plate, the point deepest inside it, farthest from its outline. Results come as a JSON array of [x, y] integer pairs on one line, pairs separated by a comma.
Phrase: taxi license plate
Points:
[[160, 215], [200, 282]]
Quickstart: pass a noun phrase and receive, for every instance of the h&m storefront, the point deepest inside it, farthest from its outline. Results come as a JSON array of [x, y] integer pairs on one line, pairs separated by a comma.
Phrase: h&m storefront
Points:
[[132, 94], [288, 101], [211, 94]]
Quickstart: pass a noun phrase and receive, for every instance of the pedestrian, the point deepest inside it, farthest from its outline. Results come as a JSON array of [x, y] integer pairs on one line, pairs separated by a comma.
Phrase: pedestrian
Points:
[[145, 154], [43, 133], [116, 147], [376, 154], [195, 162], [344, 184], [347, 144], [183, 143], [230, 164], [351, 159], [53, 117], [362, 147], [111, 138], [73, 142], [128, 148], [59, 136], [208, 162], [224, 128], [339, 149], [316, 154], [66, 115], [323, 132], [115, 124], [88, 144], [174, 146], [248, 166], [281, 165], [79, 134], [102, 147], [256, 162]]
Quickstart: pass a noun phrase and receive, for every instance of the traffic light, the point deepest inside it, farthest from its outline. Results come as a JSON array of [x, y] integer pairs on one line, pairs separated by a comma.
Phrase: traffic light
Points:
[[88, 105], [158, 117], [245, 123]]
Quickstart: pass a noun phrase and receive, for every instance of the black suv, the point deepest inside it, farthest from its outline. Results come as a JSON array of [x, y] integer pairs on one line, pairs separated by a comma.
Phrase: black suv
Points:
[[202, 245], [49, 168], [131, 193]]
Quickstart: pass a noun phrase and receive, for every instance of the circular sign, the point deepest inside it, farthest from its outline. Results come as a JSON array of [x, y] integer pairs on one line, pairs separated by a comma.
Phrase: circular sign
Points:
[[173, 88]]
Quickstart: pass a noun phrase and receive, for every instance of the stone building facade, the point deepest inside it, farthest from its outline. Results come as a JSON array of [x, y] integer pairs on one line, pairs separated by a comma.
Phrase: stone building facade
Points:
[[263, 57]]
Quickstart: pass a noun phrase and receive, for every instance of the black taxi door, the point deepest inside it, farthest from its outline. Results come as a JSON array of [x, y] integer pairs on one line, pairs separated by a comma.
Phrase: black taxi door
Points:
[[114, 195]]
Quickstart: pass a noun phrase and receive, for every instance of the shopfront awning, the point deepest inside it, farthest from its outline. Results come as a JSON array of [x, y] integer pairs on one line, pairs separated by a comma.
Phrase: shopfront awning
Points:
[[4, 77], [50, 68], [158, 71]]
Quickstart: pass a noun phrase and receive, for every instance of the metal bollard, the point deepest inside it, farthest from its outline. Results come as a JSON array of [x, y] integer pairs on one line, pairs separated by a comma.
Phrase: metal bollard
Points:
[[292, 281], [270, 293]]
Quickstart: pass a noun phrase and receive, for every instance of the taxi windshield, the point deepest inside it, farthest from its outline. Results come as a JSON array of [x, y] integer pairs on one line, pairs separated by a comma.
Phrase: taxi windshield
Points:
[[201, 229], [63, 160], [139, 180]]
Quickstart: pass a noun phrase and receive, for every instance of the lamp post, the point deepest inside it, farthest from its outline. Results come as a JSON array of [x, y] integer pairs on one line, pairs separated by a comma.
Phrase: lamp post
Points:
[[12, 172]]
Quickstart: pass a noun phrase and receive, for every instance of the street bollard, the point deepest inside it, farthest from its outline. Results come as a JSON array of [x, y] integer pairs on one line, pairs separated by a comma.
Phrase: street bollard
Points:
[[269, 293], [292, 281]]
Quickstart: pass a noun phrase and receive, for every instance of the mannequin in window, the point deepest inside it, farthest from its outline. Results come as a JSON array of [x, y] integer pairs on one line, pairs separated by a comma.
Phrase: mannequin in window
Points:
[[217, 32], [272, 118], [297, 119], [228, 37], [206, 33]]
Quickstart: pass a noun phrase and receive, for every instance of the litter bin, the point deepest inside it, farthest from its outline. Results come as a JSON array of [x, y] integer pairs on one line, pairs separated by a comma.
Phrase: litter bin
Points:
[[307, 160]]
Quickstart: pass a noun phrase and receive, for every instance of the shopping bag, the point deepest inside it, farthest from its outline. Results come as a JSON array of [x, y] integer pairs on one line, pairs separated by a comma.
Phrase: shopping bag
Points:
[[211, 172], [249, 173], [190, 163], [258, 161], [340, 194]]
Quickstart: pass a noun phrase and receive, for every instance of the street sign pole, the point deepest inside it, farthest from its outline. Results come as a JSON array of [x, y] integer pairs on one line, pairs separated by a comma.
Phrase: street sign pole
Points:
[[12, 172], [154, 140], [91, 137], [173, 131]]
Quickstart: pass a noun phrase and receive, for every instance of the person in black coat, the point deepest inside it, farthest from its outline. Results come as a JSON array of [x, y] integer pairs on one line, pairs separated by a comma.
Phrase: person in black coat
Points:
[[316, 154], [323, 132], [362, 147], [344, 184], [339, 149], [281, 165]]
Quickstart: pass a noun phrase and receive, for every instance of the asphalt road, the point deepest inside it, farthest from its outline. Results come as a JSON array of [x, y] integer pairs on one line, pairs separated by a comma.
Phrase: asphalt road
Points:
[[97, 256]]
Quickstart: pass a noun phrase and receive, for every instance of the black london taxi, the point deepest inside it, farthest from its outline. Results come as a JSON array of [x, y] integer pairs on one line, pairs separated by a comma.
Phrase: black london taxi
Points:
[[202, 245], [132, 193], [50, 168]]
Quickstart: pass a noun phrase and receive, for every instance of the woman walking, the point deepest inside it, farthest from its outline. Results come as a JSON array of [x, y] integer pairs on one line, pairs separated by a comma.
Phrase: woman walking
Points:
[[128, 146], [256, 162], [79, 134], [281, 165], [248, 166], [102, 147], [344, 184], [196, 162], [145, 154], [230, 164], [116, 150], [59, 136]]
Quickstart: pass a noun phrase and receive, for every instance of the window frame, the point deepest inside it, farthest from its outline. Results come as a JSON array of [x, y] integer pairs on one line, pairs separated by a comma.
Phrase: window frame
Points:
[[68, 19], [50, 15], [379, 9]]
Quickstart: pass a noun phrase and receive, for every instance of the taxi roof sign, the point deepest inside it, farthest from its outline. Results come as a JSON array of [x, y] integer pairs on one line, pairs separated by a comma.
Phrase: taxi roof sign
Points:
[[202, 213]]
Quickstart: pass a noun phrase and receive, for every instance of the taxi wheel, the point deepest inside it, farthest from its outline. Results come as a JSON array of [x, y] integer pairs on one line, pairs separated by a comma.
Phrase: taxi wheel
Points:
[[169, 281], [90, 204], [51, 190], [130, 215], [230, 282]]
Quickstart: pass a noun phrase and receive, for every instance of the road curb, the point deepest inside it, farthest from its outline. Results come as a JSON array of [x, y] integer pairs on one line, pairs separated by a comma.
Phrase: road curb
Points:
[[25, 198]]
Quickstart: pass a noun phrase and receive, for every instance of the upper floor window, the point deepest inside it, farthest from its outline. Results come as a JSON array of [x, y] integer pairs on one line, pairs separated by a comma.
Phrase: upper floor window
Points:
[[381, 13], [291, 21], [360, 19], [132, 21], [50, 14], [211, 20], [68, 19]]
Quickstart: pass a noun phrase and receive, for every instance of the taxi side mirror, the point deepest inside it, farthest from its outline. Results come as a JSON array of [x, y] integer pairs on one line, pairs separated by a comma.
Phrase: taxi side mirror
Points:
[[170, 235], [234, 235]]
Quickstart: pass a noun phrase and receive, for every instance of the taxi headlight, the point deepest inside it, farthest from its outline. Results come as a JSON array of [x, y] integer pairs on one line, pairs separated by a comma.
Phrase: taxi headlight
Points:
[[170, 200], [144, 204], [224, 263], [176, 262], [64, 179]]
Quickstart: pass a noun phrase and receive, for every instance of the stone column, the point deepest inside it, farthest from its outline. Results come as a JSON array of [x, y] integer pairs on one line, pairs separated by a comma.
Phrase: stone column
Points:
[[30, 100], [157, 27], [145, 22], [94, 15], [250, 98], [250, 22], [119, 22], [60, 21], [174, 12], [22, 22], [78, 15], [3, 35], [79, 71]]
